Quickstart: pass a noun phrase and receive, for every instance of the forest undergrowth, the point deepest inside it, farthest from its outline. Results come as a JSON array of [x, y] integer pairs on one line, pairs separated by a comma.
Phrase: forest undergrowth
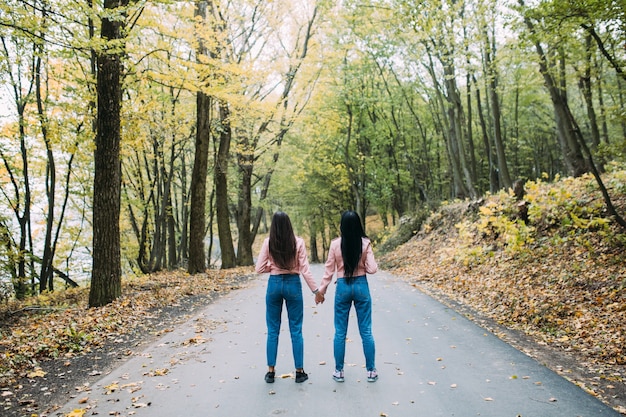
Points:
[[550, 267]]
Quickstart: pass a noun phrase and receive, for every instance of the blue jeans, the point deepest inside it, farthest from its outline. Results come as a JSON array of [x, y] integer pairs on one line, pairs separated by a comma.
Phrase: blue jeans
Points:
[[357, 292], [289, 289]]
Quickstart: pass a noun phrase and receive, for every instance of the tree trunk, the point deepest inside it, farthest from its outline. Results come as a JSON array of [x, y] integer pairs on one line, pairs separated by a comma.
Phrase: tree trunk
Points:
[[197, 219], [456, 134], [494, 183], [492, 75], [587, 92], [197, 260], [171, 231], [106, 276], [313, 255], [622, 102], [245, 161], [227, 249], [605, 127], [183, 252]]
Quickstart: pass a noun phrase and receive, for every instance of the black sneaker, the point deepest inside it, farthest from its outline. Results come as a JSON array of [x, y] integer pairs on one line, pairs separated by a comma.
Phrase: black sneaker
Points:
[[269, 377], [301, 377]]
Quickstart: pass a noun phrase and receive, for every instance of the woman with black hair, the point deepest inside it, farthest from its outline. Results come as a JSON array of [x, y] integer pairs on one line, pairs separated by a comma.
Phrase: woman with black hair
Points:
[[351, 257], [284, 256]]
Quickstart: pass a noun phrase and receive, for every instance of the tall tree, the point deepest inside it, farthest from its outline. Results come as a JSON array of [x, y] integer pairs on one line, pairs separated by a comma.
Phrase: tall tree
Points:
[[222, 211], [568, 132], [22, 86], [106, 275], [492, 76], [285, 111], [197, 219]]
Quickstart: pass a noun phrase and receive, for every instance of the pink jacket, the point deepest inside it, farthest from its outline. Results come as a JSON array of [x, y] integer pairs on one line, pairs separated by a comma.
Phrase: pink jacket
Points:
[[265, 263], [334, 262]]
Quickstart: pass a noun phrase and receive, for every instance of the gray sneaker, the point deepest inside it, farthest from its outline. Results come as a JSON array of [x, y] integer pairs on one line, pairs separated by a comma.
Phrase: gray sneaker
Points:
[[372, 376], [338, 376]]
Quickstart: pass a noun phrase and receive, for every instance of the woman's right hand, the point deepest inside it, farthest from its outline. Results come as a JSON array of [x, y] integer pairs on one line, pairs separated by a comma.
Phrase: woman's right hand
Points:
[[319, 298]]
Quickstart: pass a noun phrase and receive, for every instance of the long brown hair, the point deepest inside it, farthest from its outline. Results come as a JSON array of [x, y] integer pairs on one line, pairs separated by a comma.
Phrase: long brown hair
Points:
[[282, 241]]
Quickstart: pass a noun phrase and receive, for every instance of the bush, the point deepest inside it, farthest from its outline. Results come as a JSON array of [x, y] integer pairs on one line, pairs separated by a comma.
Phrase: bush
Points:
[[407, 227]]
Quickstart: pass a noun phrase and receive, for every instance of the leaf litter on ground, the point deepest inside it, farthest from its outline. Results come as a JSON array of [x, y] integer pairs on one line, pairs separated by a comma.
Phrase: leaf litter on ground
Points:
[[60, 328]]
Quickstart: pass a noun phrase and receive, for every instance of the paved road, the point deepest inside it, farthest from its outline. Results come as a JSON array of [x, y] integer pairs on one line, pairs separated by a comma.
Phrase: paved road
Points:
[[431, 361]]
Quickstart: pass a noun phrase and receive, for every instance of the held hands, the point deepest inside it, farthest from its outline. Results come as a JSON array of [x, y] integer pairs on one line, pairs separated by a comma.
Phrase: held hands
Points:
[[319, 298]]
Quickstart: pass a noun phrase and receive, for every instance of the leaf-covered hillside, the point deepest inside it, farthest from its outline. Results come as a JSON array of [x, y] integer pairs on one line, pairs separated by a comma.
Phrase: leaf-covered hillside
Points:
[[559, 277]]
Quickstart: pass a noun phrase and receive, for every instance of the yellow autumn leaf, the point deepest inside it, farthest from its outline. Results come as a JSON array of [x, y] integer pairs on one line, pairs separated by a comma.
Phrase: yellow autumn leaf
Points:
[[79, 412], [111, 388], [37, 373]]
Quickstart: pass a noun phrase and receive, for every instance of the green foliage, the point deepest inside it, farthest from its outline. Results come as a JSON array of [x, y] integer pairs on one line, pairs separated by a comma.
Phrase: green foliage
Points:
[[497, 227], [366, 114], [569, 209], [557, 207]]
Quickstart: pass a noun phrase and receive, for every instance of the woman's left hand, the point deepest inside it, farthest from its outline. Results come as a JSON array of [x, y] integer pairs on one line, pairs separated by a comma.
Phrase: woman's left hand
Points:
[[319, 298]]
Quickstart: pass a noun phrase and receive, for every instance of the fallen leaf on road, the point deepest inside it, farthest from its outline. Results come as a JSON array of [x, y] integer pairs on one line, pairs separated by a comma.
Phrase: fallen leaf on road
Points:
[[37, 373], [488, 399], [158, 372], [196, 340], [111, 388], [132, 387], [79, 412]]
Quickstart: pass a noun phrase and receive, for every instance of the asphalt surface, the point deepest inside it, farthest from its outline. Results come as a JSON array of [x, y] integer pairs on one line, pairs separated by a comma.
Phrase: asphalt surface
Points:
[[431, 361]]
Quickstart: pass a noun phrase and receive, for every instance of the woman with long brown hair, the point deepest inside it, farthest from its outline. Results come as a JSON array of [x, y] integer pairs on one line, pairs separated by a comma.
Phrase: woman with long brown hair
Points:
[[284, 256]]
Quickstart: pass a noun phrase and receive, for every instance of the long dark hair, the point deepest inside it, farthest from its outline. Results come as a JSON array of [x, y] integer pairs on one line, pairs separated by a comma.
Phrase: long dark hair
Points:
[[282, 241], [351, 243]]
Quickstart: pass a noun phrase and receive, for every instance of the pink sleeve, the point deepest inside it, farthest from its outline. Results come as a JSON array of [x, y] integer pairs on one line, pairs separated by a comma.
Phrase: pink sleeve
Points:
[[370, 263], [303, 265], [263, 261], [329, 270]]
